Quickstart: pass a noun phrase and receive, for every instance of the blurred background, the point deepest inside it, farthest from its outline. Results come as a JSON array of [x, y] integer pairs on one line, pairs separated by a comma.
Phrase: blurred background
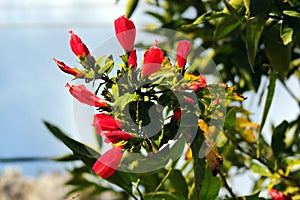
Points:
[[32, 32]]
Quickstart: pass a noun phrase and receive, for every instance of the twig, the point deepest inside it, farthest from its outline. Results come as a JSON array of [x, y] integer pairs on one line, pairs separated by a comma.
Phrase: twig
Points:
[[25, 159], [290, 92], [138, 190], [225, 184]]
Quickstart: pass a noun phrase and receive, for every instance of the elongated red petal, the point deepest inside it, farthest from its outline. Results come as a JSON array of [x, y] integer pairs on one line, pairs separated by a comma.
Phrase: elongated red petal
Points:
[[82, 94], [67, 69], [77, 46], [183, 50], [132, 58], [117, 136], [104, 122], [108, 163], [125, 32], [153, 59]]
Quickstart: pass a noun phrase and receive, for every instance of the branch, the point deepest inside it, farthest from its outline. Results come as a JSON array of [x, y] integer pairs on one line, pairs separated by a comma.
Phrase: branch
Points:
[[225, 184]]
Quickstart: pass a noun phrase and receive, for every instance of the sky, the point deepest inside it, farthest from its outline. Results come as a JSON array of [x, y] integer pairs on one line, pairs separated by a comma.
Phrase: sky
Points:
[[32, 87]]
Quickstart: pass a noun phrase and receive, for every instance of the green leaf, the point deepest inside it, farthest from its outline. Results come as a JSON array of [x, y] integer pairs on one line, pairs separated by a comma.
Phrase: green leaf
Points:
[[100, 60], [178, 184], [210, 186], [278, 137], [286, 33], [66, 158], [177, 148], [107, 67], [225, 26], [231, 9], [131, 6], [254, 29], [83, 152], [259, 169], [123, 100], [161, 195], [205, 17], [291, 13], [269, 99], [90, 76], [88, 157], [247, 6], [230, 117], [278, 54]]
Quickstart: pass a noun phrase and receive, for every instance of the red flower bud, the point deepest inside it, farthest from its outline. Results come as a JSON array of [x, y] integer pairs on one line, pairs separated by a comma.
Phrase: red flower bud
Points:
[[183, 50], [125, 32], [108, 163], [104, 122], [77, 46], [153, 59], [278, 195], [82, 94], [132, 58], [67, 69], [177, 113], [117, 136], [189, 100], [201, 83]]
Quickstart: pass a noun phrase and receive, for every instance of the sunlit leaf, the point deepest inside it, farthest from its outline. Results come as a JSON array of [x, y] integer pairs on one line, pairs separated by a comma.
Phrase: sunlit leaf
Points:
[[291, 13], [286, 33], [259, 169], [131, 6]]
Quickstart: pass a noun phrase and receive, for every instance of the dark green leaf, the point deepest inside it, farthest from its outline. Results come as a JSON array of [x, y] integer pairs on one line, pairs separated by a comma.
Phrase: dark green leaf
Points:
[[88, 156], [278, 54], [269, 99], [178, 184], [161, 195], [225, 26], [254, 29], [230, 117], [66, 158], [205, 17], [278, 137], [210, 186]]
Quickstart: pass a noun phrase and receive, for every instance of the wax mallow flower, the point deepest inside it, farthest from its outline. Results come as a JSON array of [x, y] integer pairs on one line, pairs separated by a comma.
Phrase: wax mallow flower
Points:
[[201, 83], [77, 46], [125, 32], [117, 136], [132, 59], [104, 122], [108, 163], [276, 195], [82, 94], [153, 59], [65, 68], [183, 50]]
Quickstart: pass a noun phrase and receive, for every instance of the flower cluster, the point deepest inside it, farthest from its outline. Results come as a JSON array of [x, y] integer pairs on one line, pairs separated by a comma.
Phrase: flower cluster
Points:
[[129, 131]]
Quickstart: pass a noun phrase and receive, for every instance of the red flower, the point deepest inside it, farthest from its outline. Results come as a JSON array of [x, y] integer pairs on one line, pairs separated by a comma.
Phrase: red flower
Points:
[[177, 113], [77, 46], [82, 94], [153, 59], [125, 32], [278, 195], [67, 69], [132, 58], [183, 50], [108, 163], [117, 136], [189, 100], [104, 122], [201, 83]]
